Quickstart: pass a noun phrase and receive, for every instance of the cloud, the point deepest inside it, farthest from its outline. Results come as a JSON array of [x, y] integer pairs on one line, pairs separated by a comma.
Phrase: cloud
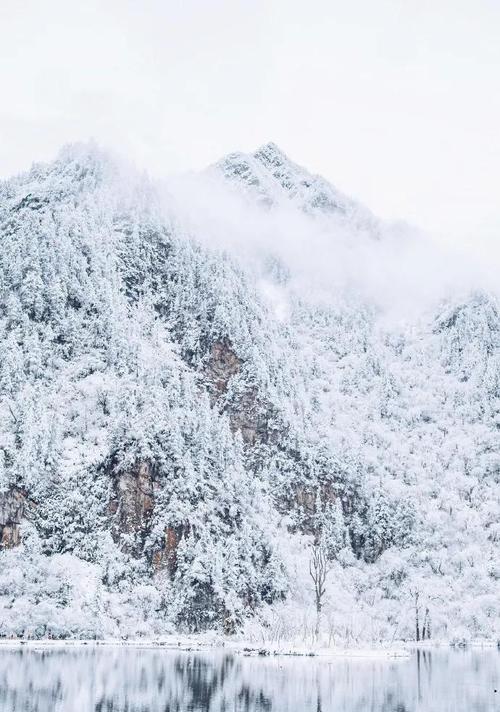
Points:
[[403, 274]]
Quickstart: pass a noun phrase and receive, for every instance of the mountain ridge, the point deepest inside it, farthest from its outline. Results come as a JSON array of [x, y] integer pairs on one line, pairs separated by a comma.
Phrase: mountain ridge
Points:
[[269, 176]]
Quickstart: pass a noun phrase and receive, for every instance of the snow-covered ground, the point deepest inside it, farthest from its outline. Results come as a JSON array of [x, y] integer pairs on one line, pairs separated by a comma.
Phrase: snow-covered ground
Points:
[[210, 641]]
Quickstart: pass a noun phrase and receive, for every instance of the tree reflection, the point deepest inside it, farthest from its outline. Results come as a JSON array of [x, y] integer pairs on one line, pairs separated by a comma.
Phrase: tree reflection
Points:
[[158, 680]]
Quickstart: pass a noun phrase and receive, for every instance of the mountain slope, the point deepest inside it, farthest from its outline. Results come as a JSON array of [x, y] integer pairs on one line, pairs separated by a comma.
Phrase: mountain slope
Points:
[[171, 441]]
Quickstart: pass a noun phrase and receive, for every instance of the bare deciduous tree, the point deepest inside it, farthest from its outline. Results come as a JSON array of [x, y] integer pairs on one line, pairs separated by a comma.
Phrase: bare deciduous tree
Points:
[[421, 632], [318, 569]]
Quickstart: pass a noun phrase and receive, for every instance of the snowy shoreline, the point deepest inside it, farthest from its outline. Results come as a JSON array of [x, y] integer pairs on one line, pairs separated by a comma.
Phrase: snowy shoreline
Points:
[[197, 644], [201, 644]]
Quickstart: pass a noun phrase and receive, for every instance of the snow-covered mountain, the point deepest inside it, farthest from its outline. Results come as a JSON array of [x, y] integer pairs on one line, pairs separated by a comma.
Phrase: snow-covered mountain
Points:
[[179, 424], [269, 178]]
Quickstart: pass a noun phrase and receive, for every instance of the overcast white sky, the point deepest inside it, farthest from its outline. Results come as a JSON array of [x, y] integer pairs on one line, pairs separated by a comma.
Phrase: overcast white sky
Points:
[[397, 102]]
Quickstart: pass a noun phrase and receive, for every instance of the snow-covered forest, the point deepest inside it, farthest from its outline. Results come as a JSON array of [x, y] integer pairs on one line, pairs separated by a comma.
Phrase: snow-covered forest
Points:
[[218, 391]]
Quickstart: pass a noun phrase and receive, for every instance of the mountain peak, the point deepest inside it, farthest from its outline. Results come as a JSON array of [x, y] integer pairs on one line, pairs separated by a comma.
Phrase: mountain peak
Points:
[[271, 155], [271, 179]]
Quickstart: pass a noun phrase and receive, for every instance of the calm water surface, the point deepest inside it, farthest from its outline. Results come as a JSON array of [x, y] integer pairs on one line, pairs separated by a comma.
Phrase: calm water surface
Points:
[[93, 679]]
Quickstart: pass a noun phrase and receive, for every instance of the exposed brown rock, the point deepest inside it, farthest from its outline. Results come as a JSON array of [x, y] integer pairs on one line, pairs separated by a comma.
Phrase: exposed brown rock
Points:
[[13, 510], [305, 499], [132, 507], [247, 413], [166, 557], [250, 417], [222, 365]]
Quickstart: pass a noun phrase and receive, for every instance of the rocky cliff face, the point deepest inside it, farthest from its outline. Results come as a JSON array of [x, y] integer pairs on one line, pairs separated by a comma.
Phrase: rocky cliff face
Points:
[[14, 507], [222, 365], [131, 507], [249, 413]]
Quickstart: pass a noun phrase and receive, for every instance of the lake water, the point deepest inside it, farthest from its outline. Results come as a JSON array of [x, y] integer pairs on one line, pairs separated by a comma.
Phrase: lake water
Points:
[[107, 679]]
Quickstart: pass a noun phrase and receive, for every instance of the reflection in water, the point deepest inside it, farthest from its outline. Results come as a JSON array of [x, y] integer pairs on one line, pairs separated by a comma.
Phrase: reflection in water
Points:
[[104, 679]]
